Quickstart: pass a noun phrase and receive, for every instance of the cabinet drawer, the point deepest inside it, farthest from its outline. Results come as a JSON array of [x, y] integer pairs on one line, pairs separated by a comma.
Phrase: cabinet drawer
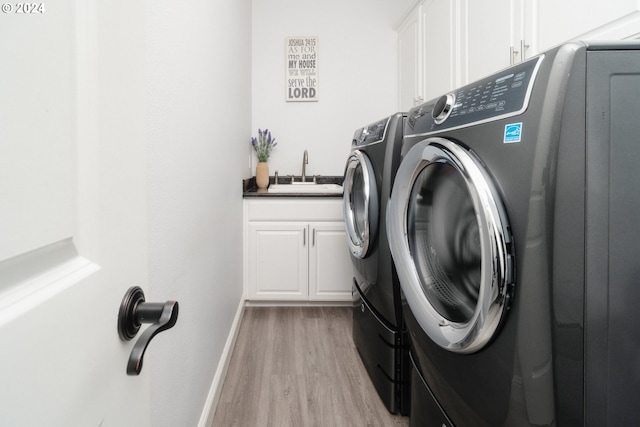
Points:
[[329, 209]]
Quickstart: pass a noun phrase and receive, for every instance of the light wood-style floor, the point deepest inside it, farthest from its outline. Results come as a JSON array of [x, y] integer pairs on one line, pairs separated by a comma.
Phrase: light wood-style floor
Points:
[[298, 366]]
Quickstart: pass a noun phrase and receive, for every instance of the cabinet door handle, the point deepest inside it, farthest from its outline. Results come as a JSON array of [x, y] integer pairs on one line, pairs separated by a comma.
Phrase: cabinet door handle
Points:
[[512, 55], [304, 237], [313, 242], [523, 47]]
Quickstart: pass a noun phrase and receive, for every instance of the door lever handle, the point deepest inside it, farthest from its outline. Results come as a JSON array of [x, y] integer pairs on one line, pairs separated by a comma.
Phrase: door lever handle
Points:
[[134, 311]]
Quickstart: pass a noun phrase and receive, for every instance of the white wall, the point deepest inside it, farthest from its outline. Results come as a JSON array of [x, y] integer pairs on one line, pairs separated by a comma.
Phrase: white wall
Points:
[[198, 125], [357, 70], [200, 71]]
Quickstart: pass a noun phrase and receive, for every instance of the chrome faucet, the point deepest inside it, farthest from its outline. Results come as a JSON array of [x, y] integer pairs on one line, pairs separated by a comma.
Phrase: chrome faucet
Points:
[[305, 161]]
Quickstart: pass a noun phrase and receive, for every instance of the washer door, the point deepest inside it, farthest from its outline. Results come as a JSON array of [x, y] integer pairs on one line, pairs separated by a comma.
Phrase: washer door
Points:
[[451, 244], [360, 203]]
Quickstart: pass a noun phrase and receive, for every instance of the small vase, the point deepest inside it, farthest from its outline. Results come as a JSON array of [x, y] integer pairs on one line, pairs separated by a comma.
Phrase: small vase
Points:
[[262, 175]]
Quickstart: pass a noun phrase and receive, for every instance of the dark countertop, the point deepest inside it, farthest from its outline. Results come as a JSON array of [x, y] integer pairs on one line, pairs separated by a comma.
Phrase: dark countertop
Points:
[[250, 189]]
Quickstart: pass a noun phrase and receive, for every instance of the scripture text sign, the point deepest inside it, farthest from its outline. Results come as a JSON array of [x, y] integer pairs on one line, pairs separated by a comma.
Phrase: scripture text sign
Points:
[[302, 69]]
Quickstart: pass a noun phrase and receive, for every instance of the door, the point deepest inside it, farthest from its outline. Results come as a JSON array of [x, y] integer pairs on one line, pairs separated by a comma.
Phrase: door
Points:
[[278, 260], [330, 274], [72, 212], [491, 37], [439, 47], [410, 62], [360, 204], [450, 241]]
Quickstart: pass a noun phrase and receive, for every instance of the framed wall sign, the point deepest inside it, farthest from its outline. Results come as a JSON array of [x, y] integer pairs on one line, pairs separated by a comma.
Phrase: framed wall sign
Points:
[[302, 69]]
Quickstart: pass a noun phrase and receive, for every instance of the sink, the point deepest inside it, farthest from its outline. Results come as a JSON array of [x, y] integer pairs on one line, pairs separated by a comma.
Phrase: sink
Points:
[[305, 188]]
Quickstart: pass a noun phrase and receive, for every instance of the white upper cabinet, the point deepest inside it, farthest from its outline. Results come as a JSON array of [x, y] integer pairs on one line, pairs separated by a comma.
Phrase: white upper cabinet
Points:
[[439, 44], [445, 44], [426, 53], [490, 34], [410, 62]]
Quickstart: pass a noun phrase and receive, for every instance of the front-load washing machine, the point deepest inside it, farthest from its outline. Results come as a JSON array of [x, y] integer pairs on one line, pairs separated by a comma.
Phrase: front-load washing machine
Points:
[[514, 228], [378, 331]]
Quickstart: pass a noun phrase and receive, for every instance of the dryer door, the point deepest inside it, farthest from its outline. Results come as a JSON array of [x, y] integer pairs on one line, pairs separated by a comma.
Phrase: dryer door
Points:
[[360, 203], [451, 244]]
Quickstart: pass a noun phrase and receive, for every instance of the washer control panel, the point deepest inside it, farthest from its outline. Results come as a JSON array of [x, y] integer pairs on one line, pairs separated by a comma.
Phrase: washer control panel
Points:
[[370, 134], [503, 94]]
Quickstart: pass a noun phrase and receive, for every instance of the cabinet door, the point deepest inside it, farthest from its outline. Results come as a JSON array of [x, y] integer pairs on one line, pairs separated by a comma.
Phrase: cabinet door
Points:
[[439, 41], [489, 41], [278, 261], [409, 63], [330, 268]]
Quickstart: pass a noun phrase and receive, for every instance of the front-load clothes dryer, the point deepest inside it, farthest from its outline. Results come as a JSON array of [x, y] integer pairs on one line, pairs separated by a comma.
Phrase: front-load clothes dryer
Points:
[[378, 331], [514, 229]]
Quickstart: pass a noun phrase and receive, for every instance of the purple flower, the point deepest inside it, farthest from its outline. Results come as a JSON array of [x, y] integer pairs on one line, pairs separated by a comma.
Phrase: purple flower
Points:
[[263, 144]]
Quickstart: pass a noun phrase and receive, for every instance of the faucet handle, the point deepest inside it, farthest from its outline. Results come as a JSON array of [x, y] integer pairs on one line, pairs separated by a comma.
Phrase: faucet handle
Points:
[[275, 177], [292, 179]]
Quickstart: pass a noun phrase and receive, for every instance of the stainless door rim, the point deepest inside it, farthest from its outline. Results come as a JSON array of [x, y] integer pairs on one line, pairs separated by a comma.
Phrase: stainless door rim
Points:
[[497, 266], [360, 244]]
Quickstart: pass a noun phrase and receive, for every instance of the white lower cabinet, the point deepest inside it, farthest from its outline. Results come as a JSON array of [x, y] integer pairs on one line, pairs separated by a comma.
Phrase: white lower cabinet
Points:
[[296, 250]]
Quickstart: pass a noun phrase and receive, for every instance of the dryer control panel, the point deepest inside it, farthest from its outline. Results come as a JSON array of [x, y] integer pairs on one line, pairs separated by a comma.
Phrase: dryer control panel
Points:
[[500, 95]]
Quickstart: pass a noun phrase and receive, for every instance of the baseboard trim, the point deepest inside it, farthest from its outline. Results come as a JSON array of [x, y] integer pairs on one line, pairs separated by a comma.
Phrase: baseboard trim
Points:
[[210, 405], [282, 303]]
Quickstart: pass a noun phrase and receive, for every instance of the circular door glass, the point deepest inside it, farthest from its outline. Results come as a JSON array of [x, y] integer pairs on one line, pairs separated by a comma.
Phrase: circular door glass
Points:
[[360, 204], [451, 244], [444, 241]]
